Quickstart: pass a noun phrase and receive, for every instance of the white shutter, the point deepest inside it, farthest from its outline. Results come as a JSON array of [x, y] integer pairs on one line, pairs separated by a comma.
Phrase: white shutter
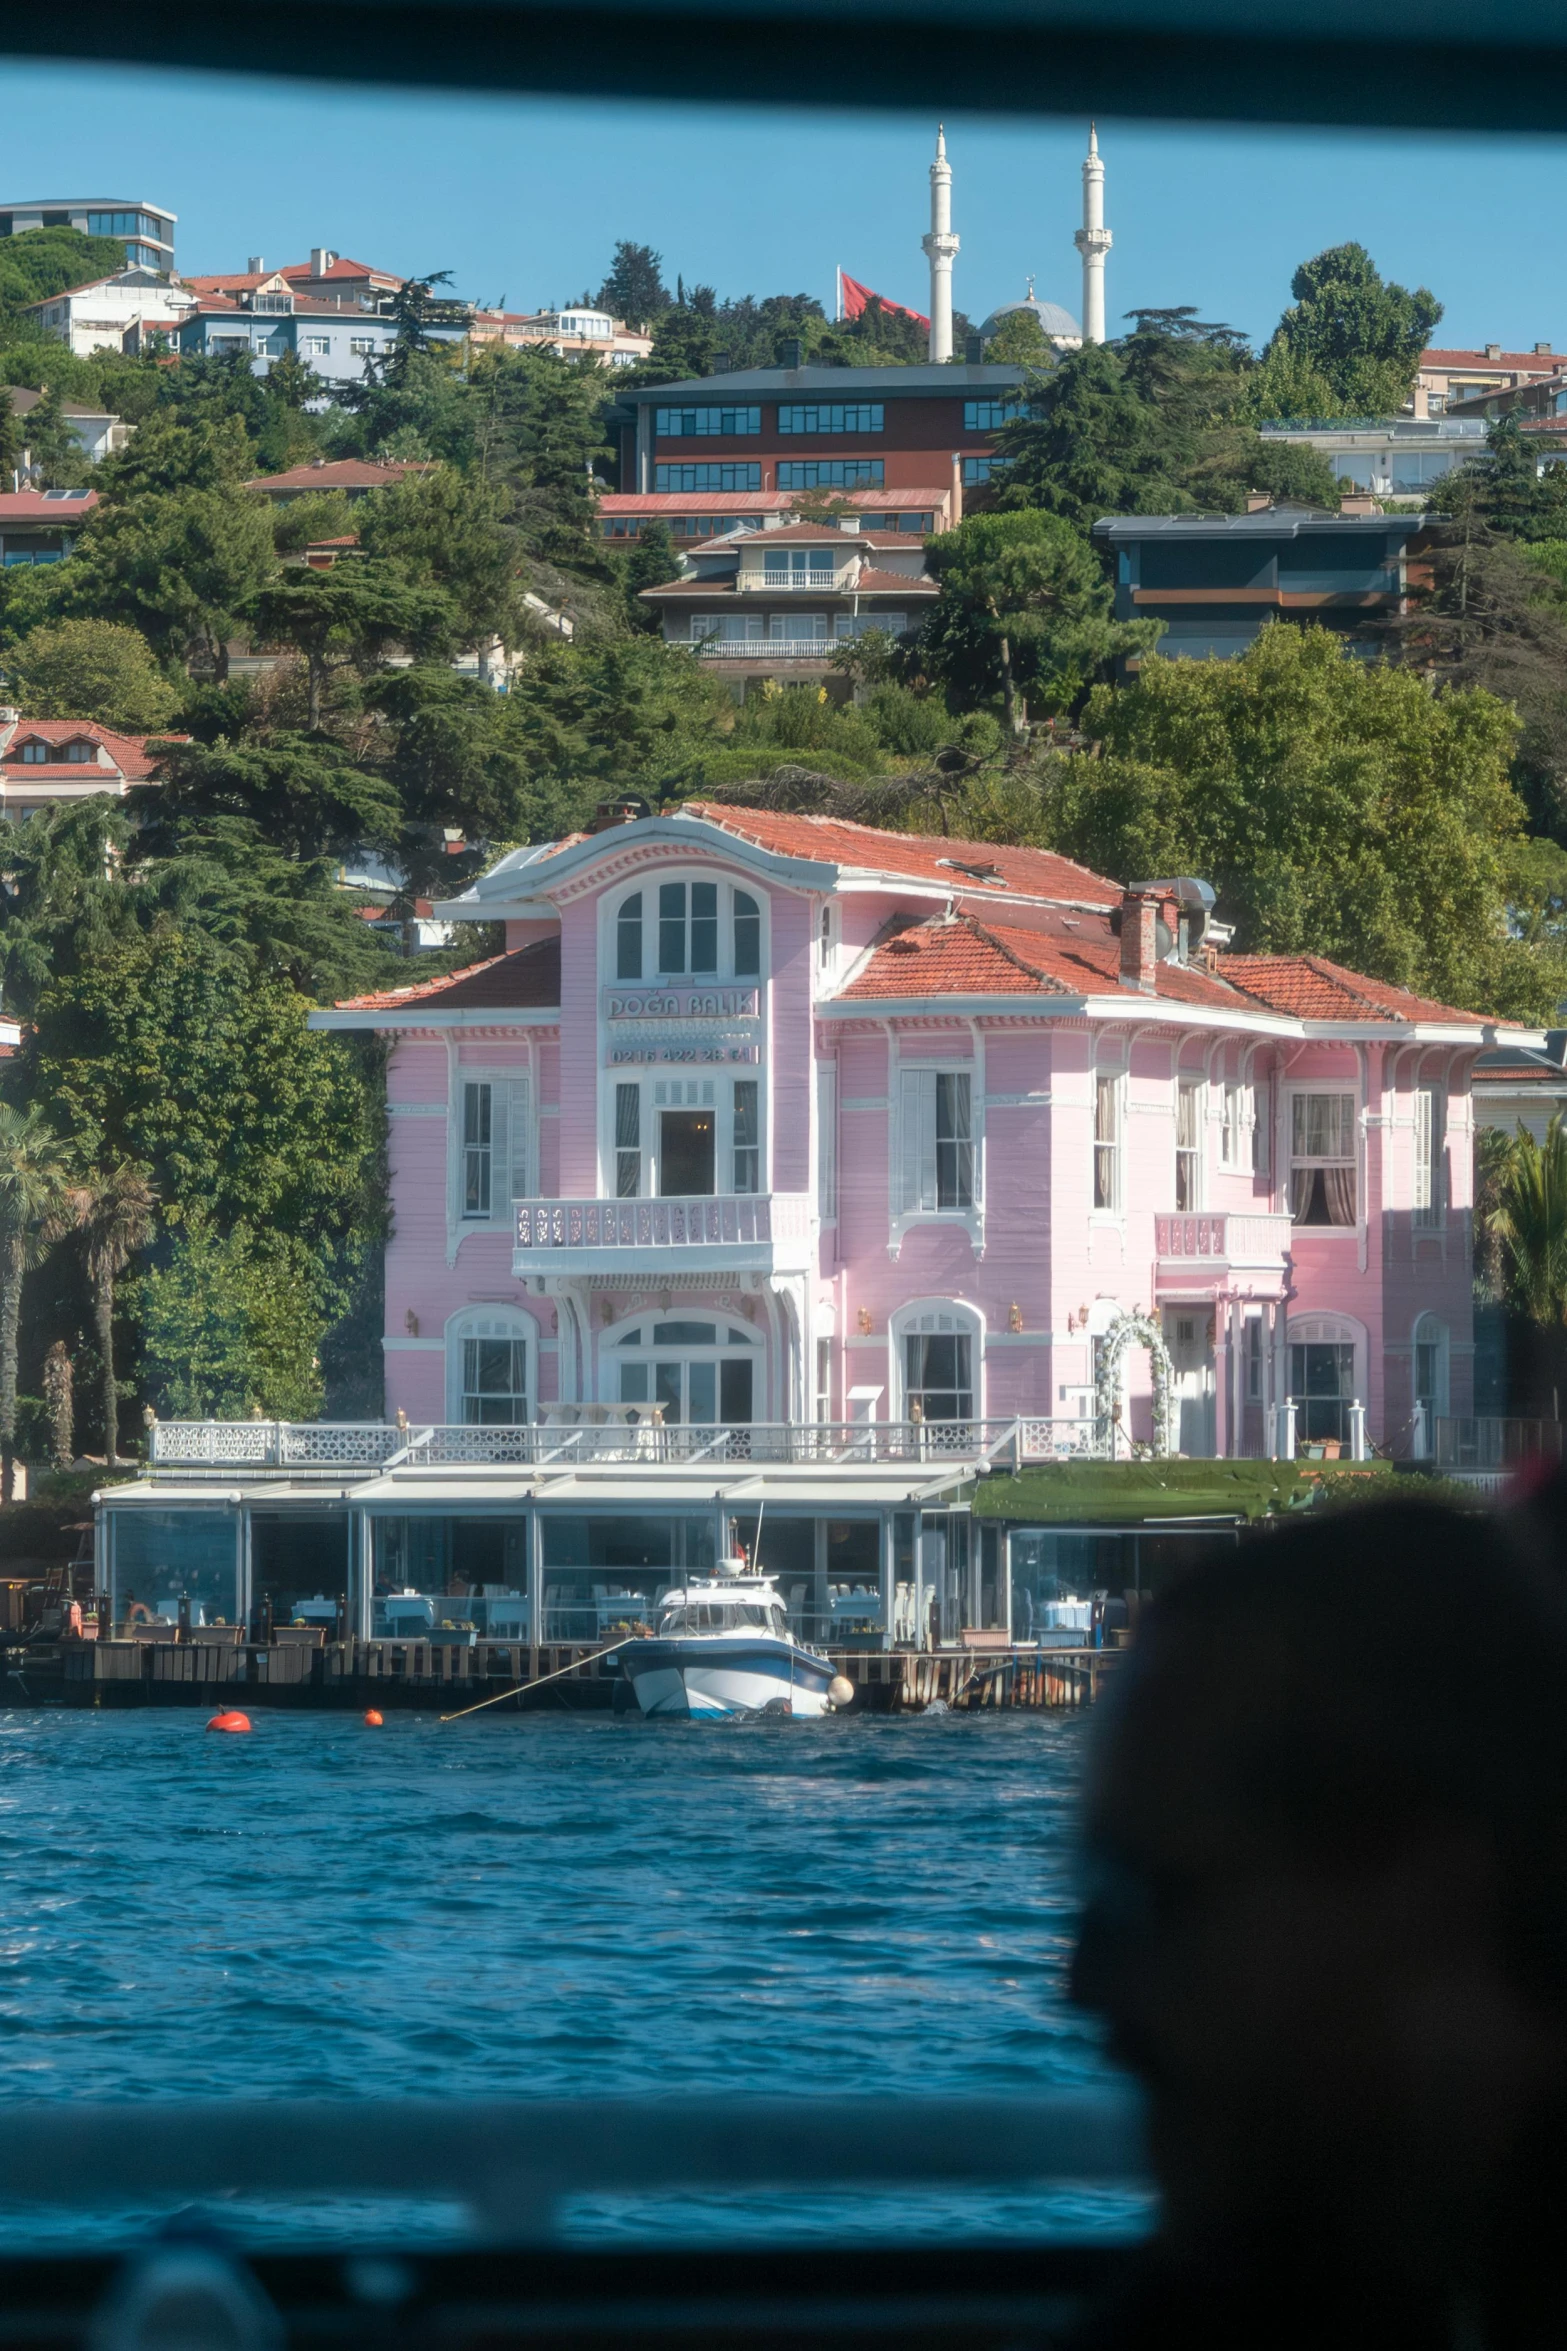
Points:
[[826, 1143], [917, 1095], [1422, 1196], [500, 1150], [518, 1185]]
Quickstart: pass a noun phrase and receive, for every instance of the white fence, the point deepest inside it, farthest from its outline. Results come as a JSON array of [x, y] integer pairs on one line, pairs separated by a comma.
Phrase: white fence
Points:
[[730, 1220], [604, 1433]]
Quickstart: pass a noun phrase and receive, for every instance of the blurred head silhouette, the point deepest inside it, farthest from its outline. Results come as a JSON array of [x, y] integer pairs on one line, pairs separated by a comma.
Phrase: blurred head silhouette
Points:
[[1326, 1923]]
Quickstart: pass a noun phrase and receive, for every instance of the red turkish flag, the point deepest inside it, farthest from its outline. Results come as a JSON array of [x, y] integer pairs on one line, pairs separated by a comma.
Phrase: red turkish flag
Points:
[[854, 297]]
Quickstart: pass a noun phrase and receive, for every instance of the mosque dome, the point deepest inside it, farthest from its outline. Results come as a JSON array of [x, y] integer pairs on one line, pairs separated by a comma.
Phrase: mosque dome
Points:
[[1058, 325]]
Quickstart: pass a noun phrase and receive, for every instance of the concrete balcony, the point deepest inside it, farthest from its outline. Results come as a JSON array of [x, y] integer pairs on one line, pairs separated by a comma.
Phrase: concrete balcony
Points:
[[746, 1232], [1211, 1246]]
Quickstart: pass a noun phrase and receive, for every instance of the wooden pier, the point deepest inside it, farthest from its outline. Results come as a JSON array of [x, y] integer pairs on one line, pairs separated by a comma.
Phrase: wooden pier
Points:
[[445, 1676]]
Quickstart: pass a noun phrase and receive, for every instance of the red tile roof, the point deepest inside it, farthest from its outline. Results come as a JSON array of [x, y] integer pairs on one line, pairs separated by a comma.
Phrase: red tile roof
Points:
[[342, 267], [38, 506], [1534, 362], [128, 752], [830, 840], [342, 473], [875, 582], [961, 956], [526, 979], [1311, 988], [823, 534]]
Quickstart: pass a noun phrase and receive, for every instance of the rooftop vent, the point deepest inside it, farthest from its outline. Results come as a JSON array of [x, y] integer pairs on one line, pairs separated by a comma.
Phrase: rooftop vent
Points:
[[321, 259], [789, 352], [255, 266], [1493, 350]]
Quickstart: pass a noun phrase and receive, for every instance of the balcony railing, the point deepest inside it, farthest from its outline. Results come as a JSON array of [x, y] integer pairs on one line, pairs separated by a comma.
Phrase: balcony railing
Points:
[[765, 648], [820, 581], [612, 1433], [731, 1220], [1258, 1238], [1494, 1442]]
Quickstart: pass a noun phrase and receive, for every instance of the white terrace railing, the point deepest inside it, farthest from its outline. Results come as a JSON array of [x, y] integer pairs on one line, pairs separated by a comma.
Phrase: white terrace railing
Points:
[[605, 1433], [766, 648], [732, 1219]]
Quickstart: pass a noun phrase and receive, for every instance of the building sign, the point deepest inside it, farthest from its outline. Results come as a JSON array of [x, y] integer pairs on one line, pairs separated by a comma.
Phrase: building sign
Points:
[[703, 1049], [683, 1004]]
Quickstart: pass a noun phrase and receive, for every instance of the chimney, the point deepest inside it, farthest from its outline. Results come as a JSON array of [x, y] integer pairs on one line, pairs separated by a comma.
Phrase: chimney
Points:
[[1259, 502], [1358, 504], [974, 350], [1543, 350], [1493, 350], [789, 352], [255, 266], [321, 260], [849, 523], [957, 490], [1140, 939]]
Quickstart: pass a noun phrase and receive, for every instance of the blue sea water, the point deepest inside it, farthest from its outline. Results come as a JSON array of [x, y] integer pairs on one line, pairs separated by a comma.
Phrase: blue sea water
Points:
[[546, 1906]]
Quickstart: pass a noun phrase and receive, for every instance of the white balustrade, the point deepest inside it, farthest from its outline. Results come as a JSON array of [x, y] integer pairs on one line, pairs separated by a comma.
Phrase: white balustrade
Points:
[[729, 1220], [613, 1434], [1222, 1237]]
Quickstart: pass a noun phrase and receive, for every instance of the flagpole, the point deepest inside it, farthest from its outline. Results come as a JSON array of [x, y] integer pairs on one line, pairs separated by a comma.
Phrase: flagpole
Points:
[[838, 275]]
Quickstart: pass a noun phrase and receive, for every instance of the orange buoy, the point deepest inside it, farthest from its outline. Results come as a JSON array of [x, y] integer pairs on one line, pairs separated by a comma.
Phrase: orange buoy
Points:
[[373, 1718], [229, 1720]]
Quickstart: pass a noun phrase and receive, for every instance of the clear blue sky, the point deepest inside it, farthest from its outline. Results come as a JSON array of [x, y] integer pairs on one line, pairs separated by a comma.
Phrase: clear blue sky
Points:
[[524, 198]]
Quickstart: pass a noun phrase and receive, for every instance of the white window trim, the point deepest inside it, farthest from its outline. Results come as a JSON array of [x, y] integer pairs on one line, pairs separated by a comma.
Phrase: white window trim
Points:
[[1355, 1230], [521, 1154], [902, 1218], [903, 1324], [613, 1352], [648, 882], [1120, 1075], [499, 1322], [827, 1142], [1187, 1082], [1428, 1157]]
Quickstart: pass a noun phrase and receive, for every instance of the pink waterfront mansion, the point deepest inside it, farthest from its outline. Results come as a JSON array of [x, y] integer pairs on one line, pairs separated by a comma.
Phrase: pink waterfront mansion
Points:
[[766, 1118]]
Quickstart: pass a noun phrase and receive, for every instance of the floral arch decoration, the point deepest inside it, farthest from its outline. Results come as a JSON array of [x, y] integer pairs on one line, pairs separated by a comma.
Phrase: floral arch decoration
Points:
[[1135, 1330]]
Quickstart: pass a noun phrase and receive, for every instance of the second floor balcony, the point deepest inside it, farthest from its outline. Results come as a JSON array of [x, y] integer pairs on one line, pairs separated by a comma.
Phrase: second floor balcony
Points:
[[1219, 1243], [746, 1232]]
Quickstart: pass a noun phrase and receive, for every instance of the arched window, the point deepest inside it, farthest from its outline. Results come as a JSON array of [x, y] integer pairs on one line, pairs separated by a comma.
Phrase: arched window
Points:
[[688, 930], [488, 1366], [937, 1362], [695, 1369]]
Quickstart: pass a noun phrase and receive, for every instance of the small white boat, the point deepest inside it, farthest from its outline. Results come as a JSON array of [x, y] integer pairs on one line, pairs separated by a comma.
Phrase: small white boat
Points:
[[723, 1647]]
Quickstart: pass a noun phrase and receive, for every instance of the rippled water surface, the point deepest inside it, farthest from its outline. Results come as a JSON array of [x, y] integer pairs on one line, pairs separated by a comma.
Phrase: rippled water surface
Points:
[[545, 1905]]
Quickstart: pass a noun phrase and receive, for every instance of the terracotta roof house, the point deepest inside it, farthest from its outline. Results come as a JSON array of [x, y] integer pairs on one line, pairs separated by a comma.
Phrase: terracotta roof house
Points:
[[932, 1125], [354, 476], [46, 761]]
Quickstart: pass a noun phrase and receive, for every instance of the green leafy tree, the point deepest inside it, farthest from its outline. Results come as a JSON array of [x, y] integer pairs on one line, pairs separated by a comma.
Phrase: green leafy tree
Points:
[[1024, 611], [351, 617], [652, 562], [1020, 341], [11, 443], [450, 534], [35, 1209], [685, 341], [298, 523], [116, 1214], [1338, 806], [292, 382], [41, 262], [456, 756], [178, 547], [232, 1324], [1528, 1222], [301, 792], [1351, 332], [59, 461], [634, 288], [90, 669]]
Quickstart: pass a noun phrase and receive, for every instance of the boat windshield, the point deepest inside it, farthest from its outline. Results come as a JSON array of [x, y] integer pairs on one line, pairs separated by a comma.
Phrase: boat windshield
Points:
[[724, 1616]]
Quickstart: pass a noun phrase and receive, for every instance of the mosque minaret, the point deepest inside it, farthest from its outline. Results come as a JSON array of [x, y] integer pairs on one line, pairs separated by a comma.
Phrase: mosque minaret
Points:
[[1093, 241], [941, 248]]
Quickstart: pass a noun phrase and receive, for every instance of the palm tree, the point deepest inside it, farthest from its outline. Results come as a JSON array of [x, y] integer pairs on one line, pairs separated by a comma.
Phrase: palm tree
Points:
[[35, 1209], [116, 1214], [1529, 1222]]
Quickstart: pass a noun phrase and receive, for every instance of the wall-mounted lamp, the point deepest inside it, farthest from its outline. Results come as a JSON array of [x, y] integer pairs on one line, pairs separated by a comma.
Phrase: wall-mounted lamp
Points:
[[1014, 1317], [865, 1322], [411, 1323]]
